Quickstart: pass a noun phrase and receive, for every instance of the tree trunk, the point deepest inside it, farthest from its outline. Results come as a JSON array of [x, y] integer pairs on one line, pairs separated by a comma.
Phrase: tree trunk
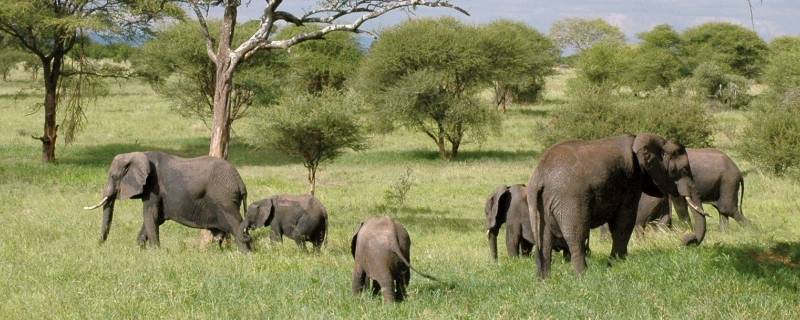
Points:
[[312, 178], [223, 84], [52, 73]]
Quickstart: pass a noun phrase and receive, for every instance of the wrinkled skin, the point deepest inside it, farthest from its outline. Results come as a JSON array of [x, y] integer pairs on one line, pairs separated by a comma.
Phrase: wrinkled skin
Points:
[[302, 218], [381, 248], [580, 185], [509, 205], [202, 192], [718, 181], [651, 211]]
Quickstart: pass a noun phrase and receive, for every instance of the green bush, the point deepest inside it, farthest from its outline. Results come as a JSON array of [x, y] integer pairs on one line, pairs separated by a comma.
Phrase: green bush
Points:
[[726, 44], [782, 73], [772, 139], [597, 112], [720, 89], [604, 64]]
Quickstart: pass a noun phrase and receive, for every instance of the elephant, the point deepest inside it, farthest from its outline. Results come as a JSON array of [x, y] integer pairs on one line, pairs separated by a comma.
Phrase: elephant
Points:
[[719, 182], [651, 210], [578, 185], [381, 248], [509, 205], [300, 217], [202, 192]]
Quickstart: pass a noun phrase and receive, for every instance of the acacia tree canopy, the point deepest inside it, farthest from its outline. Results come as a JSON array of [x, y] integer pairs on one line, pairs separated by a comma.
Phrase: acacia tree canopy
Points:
[[425, 74]]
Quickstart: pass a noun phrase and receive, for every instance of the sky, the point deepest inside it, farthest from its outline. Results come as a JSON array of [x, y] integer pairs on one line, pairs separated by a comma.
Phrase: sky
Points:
[[773, 18]]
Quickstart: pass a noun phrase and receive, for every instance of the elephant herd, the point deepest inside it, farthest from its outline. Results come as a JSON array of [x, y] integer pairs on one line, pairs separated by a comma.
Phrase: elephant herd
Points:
[[623, 182]]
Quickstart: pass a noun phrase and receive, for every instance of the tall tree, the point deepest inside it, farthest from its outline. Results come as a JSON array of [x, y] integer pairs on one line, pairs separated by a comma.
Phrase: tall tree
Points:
[[50, 29], [581, 34], [728, 45], [226, 58]]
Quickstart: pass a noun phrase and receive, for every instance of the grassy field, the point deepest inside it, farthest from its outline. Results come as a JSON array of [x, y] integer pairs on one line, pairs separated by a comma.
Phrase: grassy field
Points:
[[52, 266]]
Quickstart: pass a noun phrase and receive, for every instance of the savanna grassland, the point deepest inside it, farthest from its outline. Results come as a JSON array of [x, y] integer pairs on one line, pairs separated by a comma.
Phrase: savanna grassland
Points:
[[52, 266]]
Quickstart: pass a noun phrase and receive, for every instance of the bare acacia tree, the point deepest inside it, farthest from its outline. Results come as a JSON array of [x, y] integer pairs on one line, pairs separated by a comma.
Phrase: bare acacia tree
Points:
[[328, 13]]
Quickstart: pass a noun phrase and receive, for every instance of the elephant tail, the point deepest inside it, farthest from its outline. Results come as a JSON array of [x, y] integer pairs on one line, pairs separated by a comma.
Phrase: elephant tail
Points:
[[325, 230], [535, 209], [402, 258], [243, 193]]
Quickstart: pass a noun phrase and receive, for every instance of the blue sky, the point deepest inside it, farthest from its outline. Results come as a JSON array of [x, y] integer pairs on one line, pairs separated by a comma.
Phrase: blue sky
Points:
[[773, 17]]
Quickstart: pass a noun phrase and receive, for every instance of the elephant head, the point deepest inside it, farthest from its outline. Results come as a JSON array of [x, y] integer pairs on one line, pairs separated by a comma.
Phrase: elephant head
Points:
[[260, 214], [127, 177], [667, 171], [496, 209]]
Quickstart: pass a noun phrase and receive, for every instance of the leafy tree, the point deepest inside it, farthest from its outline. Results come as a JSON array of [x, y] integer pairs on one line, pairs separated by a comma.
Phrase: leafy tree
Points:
[[520, 58], [315, 127], [581, 34], [50, 30], [657, 61], [711, 83], [176, 65], [425, 74], [782, 72], [606, 64], [227, 57], [320, 65], [772, 138], [9, 58], [728, 45]]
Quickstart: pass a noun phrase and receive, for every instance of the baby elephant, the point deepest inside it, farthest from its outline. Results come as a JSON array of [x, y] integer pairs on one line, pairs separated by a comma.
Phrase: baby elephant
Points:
[[301, 218], [381, 249]]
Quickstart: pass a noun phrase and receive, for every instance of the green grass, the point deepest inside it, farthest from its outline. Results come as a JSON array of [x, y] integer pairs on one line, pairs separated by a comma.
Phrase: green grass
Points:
[[52, 266]]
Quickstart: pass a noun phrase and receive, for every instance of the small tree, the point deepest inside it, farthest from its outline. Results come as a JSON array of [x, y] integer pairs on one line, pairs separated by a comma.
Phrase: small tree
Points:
[[581, 34], [425, 74], [728, 45], [520, 59], [605, 64], [316, 128], [320, 65], [658, 61]]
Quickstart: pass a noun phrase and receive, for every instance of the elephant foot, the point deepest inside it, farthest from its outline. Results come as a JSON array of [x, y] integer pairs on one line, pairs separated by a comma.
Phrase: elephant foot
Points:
[[690, 240]]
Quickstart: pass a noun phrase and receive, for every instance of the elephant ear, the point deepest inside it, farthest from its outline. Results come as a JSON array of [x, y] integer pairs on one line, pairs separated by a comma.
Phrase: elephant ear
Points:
[[136, 169], [649, 153], [355, 238], [496, 212]]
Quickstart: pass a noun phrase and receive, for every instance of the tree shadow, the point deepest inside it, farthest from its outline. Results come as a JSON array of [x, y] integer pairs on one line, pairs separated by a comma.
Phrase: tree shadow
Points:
[[778, 265], [532, 112], [240, 153]]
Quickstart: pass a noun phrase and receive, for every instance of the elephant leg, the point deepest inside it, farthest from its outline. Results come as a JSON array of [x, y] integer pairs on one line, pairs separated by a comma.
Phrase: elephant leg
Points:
[[544, 258], [234, 222], [512, 240], [376, 287], [492, 237], [359, 279], [575, 240], [639, 231], [621, 229], [142, 238], [665, 222], [219, 236], [386, 285], [400, 284], [150, 215]]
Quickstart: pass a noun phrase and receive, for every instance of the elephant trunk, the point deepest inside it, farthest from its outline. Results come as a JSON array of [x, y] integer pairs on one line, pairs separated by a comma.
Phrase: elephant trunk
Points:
[[698, 222], [492, 235], [108, 215]]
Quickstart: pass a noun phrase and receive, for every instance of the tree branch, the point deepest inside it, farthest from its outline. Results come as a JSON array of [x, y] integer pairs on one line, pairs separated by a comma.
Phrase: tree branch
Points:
[[210, 43]]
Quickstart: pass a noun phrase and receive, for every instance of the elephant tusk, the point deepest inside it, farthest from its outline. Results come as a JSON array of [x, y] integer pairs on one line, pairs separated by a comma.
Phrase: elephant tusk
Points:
[[102, 202], [697, 208]]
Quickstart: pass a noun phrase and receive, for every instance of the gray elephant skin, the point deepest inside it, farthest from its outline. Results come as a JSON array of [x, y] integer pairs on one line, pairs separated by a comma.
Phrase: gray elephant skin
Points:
[[509, 205], [302, 218], [718, 181], [202, 192], [381, 248], [579, 185]]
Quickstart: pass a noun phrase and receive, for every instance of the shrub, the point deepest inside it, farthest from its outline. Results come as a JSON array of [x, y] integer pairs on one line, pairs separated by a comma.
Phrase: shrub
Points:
[[315, 127], [782, 73], [721, 90], [772, 139], [394, 197], [597, 112]]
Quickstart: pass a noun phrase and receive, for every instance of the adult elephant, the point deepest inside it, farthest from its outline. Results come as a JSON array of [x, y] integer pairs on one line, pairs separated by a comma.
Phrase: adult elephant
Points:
[[203, 192], [718, 181], [580, 185]]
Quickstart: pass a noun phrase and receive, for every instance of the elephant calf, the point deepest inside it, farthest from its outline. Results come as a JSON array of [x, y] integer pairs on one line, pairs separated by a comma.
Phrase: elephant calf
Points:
[[381, 249], [301, 218], [509, 205]]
